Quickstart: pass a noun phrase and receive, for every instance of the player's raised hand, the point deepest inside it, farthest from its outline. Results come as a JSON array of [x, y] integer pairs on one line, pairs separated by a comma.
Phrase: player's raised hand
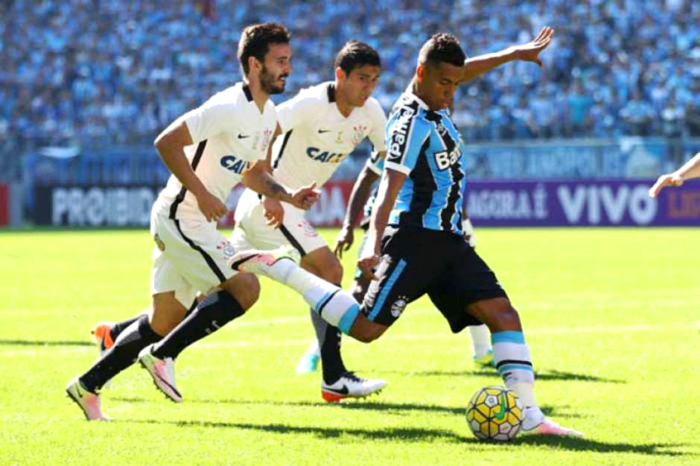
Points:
[[531, 50], [212, 208], [344, 240], [273, 211], [670, 179], [305, 197]]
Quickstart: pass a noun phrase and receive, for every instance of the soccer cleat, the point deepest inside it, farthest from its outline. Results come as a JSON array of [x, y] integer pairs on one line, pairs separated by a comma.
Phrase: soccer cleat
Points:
[[309, 361], [162, 371], [89, 402], [350, 386], [536, 423], [485, 361], [259, 262], [102, 333]]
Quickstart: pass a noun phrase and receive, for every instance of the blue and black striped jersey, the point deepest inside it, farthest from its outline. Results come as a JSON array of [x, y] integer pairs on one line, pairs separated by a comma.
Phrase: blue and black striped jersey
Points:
[[426, 146]]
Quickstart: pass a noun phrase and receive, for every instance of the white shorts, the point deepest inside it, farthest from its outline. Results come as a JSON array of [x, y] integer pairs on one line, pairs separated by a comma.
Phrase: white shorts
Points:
[[189, 256], [253, 232]]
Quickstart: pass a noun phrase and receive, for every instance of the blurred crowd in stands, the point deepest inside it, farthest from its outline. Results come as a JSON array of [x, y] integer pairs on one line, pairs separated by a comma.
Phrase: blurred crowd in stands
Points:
[[116, 72]]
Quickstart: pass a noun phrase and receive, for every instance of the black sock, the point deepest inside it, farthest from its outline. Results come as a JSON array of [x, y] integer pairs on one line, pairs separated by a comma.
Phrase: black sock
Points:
[[214, 312], [119, 327], [123, 354], [329, 343]]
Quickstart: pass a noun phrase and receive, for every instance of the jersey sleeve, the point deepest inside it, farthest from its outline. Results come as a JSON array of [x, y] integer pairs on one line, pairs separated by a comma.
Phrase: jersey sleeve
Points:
[[215, 116], [303, 107], [375, 163], [404, 140], [376, 136]]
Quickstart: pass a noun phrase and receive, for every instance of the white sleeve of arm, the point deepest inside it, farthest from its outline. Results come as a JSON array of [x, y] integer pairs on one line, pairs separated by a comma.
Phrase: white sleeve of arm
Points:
[[299, 109], [214, 117]]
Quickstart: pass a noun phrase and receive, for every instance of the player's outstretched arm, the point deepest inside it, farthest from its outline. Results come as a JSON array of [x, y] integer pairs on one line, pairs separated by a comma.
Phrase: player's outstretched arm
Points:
[[691, 169], [389, 187], [358, 197], [260, 181], [170, 145], [476, 66]]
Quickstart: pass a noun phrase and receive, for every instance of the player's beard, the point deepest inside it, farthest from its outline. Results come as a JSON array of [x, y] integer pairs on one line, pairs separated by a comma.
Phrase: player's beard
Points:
[[268, 82]]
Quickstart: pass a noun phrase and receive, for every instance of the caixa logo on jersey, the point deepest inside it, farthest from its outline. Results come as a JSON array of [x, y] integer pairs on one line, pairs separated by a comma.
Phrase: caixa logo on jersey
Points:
[[445, 160], [319, 155], [234, 164]]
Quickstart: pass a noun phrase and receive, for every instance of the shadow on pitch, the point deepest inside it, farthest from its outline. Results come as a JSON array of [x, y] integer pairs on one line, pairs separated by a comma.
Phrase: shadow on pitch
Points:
[[400, 409], [44, 343], [582, 444], [540, 375], [407, 434]]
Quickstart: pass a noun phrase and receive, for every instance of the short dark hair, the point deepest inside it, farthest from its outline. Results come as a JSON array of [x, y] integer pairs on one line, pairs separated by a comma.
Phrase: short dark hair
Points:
[[442, 48], [355, 54], [256, 40]]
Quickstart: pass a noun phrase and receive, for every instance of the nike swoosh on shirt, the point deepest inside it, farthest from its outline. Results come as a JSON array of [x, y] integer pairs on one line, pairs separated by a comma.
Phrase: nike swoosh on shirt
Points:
[[321, 131], [243, 136]]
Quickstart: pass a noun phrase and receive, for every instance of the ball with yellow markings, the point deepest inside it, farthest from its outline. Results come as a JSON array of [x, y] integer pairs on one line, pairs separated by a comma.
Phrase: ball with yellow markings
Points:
[[495, 413]]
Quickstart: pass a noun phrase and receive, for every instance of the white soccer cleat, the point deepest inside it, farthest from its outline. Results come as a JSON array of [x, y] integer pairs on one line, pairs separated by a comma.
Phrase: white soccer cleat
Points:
[[259, 262], [536, 423], [350, 386], [162, 371], [89, 402]]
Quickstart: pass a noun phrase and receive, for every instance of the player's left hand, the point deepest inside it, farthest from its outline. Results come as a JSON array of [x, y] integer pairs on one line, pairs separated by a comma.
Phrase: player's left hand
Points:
[[344, 241], [531, 50], [670, 179], [305, 197], [367, 263], [273, 211]]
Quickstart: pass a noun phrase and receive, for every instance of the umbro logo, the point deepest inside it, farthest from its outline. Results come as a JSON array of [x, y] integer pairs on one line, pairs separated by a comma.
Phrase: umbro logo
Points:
[[321, 131], [243, 136]]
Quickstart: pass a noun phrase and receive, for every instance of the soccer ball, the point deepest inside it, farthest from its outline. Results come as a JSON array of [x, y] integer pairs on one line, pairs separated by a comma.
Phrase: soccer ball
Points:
[[495, 413]]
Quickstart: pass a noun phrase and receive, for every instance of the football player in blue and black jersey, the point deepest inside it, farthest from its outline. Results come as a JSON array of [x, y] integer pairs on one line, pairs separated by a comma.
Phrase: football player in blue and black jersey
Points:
[[415, 242]]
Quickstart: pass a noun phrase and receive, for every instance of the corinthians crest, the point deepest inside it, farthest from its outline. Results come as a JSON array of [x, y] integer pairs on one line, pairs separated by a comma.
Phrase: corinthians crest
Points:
[[358, 134]]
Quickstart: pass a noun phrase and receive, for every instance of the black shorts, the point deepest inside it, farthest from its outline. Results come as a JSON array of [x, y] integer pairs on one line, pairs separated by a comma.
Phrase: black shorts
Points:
[[416, 261]]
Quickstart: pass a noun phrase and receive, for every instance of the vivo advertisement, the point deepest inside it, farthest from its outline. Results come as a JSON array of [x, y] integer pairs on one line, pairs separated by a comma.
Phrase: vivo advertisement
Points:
[[599, 203]]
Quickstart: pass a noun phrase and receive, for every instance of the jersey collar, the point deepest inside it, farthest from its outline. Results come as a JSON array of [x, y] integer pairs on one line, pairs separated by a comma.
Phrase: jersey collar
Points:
[[410, 96]]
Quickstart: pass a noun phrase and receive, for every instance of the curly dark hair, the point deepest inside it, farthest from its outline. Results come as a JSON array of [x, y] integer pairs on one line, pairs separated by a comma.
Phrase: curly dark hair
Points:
[[442, 48], [256, 40]]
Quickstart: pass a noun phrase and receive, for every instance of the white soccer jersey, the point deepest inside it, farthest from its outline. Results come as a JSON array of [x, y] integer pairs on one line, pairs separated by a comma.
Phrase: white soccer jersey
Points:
[[230, 134], [317, 137]]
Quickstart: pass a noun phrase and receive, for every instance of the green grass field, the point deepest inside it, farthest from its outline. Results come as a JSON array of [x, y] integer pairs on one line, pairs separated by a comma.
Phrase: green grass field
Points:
[[609, 316]]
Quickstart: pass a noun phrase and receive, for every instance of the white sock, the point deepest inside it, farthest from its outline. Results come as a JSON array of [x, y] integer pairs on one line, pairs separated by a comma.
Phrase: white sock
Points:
[[513, 361], [335, 306], [481, 340]]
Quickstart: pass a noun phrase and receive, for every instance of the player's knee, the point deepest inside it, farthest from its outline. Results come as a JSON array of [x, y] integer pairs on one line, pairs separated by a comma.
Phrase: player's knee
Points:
[[366, 331], [332, 271], [247, 290]]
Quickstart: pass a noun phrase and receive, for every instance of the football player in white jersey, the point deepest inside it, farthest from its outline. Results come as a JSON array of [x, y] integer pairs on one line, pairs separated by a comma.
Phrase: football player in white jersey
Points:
[[321, 126], [209, 150]]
